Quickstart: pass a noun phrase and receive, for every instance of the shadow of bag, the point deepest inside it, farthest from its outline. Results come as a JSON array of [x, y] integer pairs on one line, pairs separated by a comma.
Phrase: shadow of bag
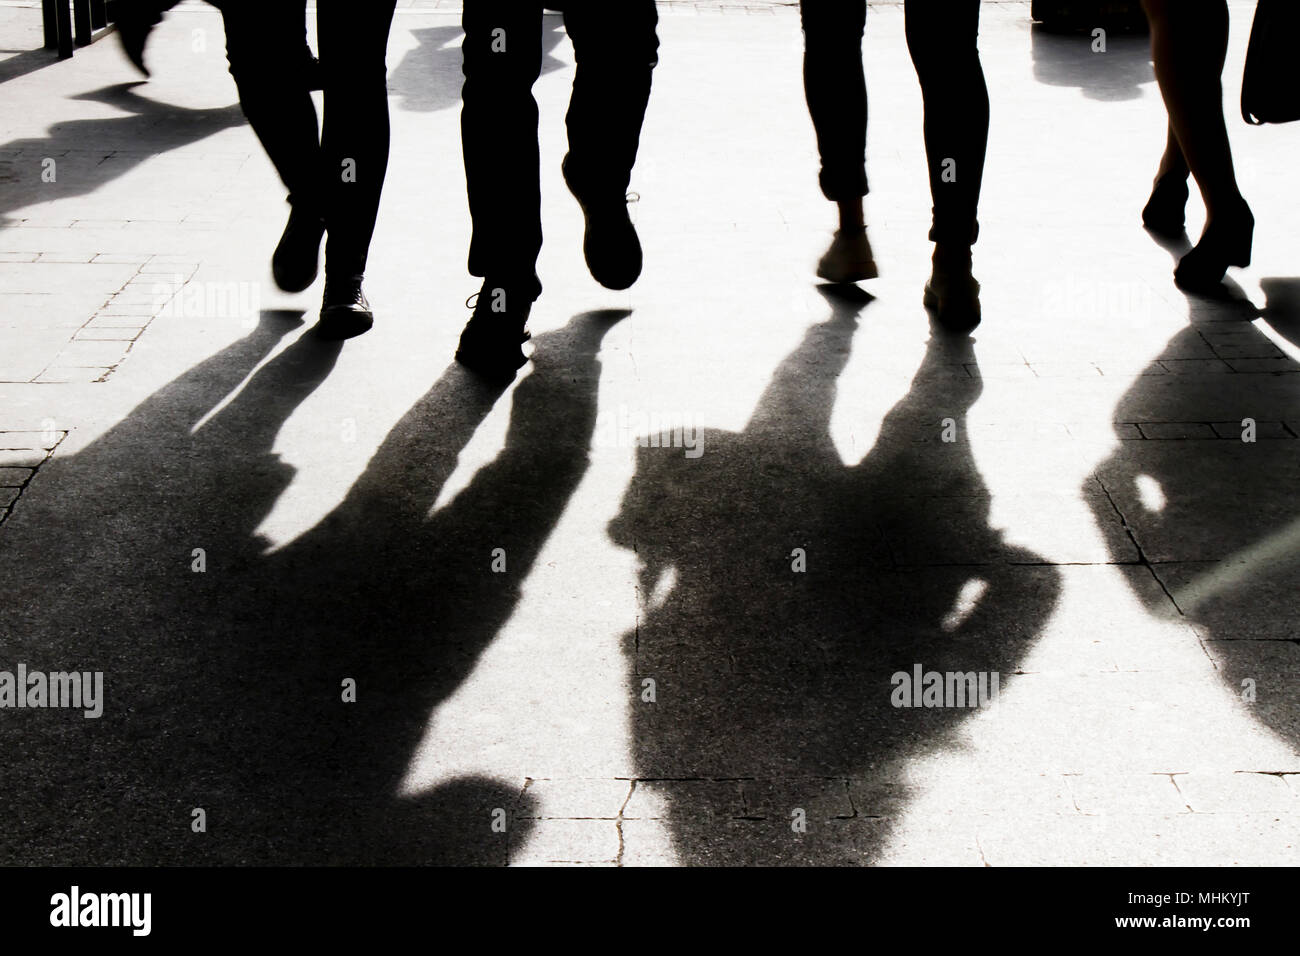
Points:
[[1270, 88]]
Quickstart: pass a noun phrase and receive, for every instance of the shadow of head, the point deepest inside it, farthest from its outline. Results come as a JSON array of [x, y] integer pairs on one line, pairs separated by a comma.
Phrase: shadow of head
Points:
[[783, 592]]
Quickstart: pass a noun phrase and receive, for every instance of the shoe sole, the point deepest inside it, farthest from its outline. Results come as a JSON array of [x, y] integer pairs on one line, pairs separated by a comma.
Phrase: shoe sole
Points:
[[294, 286], [493, 372], [930, 300], [866, 271], [344, 325]]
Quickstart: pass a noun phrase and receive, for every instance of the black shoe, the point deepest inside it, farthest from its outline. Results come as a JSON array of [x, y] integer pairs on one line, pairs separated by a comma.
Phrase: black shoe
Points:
[[953, 300], [296, 259], [345, 311], [610, 245], [1164, 213], [490, 344], [1225, 242]]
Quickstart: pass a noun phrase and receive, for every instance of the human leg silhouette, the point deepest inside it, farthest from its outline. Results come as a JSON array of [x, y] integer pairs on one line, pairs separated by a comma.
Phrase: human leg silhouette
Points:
[[616, 47], [502, 59], [836, 90], [945, 53], [275, 71], [354, 148], [1189, 43], [1164, 213]]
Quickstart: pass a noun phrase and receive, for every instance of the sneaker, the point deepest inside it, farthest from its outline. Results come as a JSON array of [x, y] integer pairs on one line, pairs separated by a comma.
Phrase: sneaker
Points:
[[849, 258], [345, 312], [491, 343], [297, 256], [610, 244]]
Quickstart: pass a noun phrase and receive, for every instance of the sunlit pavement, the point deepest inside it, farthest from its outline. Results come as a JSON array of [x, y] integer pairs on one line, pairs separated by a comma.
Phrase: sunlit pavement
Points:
[[357, 607]]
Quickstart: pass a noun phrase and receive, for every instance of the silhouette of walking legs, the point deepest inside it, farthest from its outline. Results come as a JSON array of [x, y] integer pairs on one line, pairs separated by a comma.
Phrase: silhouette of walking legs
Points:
[[615, 46], [1189, 43], [274, 71], [946, 56], [335, 178], [502, 59], [354, 147], [836, 90]]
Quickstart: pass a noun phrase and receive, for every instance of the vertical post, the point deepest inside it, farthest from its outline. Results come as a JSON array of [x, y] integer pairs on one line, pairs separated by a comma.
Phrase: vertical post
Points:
[[63, 20], [50, 20], [81, 17]]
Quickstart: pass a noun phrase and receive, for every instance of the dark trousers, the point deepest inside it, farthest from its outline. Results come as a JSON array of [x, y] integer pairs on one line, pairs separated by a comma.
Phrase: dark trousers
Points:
[[941, 39], [616, 47], [338, 171]]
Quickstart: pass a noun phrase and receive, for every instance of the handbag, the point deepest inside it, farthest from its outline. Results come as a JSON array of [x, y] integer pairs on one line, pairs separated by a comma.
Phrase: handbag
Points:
[[1270, 87]]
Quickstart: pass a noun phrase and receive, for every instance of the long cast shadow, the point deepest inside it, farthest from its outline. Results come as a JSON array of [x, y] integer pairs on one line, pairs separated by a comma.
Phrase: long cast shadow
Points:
[[1223, 535], [226, 689], [89, 154], [773, 685]]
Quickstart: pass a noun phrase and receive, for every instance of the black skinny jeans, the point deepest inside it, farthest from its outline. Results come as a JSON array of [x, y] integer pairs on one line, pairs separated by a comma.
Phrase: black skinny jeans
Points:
[[941, 39], [616, 47], [338, 172]]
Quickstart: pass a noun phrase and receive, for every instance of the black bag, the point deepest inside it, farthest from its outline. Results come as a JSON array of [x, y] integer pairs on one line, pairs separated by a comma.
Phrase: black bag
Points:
[[1270, 88]]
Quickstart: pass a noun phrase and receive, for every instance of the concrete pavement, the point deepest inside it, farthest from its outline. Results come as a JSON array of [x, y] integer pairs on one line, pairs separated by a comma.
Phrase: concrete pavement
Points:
[[357, 607]]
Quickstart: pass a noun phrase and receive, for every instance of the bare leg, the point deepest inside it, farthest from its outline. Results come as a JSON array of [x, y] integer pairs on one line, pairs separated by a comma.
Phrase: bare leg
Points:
[[1173, 163], [1189, 43], [1166, 211]]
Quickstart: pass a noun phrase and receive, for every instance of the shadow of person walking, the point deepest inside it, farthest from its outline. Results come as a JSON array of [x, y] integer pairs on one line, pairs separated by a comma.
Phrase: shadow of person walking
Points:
[[281, 693], [88, 154], [428, 78], [785, 592], [1207, 493]]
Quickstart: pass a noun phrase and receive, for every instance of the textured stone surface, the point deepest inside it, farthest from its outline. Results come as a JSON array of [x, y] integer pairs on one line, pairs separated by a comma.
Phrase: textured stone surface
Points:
[[680, 660]]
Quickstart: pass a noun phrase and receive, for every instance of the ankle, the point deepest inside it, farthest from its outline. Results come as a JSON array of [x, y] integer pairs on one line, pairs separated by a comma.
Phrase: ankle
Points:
[[948, 258], [1232, 210], [852, 218]]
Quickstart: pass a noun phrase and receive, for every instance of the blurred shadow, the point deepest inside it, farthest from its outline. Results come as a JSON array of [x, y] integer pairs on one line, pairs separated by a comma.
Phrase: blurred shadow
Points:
[[1222, 535], [1282, 307], [429, 77], [1068, 60], [20, 64], [88, 154], [773, 686], [226, 689]]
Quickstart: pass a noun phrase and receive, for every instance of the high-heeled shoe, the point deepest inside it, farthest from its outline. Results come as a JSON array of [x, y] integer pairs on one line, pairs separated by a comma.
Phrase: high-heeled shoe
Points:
[[1225, 242], [1165, 212]]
